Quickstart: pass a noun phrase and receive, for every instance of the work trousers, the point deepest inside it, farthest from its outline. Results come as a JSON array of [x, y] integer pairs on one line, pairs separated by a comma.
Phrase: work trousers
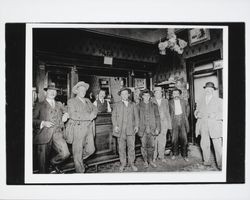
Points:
[[179, 136], [148, 146], [82, 145], [60, 146], [126, 143], [206, 144], [160, 144]]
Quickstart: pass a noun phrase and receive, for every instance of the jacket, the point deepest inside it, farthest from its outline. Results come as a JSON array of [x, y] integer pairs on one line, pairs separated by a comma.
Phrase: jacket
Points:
[[154, 118], [44, 112], [132, 118]]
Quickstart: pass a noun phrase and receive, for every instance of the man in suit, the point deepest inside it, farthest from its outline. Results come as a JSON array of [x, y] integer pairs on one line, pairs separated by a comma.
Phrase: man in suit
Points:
[[48, 118], [102, 105], [125, 124], [166, 124], [149, 127], [209, 123], [80, 129], [179, 111]]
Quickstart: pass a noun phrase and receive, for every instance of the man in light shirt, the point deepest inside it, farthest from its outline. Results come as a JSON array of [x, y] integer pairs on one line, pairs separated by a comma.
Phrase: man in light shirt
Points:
[[179, 111], [102, 104], [48, 119]]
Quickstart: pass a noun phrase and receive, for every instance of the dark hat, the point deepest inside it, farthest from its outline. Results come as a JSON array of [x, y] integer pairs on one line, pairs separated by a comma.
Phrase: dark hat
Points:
[[79, 84], [124, 88], [145, 91], [210, 84], [51, 86], [177, 89]]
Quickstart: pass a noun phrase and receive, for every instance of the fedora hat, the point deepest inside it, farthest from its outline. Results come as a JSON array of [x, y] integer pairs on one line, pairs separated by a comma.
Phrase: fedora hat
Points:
[[124, 88], [210, 84], [177, 89], [146, 91], [79, 84], [51, 86]]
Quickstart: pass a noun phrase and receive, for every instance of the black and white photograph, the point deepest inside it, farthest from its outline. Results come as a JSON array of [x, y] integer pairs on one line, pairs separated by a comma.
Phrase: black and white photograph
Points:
[[127, 99], [140, 107]]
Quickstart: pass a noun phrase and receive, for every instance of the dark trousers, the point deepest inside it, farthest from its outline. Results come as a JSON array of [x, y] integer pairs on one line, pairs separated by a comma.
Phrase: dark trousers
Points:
[[179, 136], [148, 146], [43, 152]]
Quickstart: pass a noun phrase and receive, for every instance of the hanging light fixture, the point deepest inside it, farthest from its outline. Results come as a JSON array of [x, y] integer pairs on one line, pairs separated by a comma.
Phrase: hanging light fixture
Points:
[[172, 42]]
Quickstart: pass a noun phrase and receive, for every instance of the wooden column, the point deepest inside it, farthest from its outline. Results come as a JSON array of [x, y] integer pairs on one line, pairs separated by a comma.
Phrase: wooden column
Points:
[[74, 79], [40, 80]]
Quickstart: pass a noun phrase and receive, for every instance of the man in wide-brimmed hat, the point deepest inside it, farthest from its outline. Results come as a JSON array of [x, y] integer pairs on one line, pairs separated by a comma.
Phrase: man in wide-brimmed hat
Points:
[[48, 118], [125, 126], [149, 126], [166, 124], [209, 123], [80, 129], [179, 112]]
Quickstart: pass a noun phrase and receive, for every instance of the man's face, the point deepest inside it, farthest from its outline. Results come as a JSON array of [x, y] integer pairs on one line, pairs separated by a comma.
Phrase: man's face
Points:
[[124, 95], [81, 91], [209, 91], [51, 94], [146, 97], [158, 94], [102, 94], [176, 94]]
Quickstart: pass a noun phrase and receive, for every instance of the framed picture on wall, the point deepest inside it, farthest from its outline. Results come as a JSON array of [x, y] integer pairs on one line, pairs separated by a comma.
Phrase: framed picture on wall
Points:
[[198, 35], [140, 83]]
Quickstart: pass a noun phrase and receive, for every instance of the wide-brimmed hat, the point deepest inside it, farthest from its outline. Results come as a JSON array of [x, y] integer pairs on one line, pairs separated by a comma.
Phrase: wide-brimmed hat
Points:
[[210, 84], [51, 86], [124, 88], [79, 84], [177, 89], [146, 91]]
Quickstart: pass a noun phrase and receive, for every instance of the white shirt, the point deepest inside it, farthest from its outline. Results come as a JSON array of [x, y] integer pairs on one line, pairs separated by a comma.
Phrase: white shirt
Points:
[[158, 101], [125, 102], [177, 105], [51, 102], [102, 101], [208, 99]]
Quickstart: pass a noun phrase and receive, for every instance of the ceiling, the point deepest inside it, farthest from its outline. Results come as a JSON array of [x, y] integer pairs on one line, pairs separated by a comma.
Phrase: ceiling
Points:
[[147, 35]]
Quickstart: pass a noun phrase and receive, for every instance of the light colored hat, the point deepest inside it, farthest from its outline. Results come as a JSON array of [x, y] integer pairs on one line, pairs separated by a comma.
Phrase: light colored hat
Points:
[[79, 84], [51, 86], [157, 89]]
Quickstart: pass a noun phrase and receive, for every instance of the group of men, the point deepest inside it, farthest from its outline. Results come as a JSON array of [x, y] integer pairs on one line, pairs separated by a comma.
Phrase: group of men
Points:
[[151, 118]]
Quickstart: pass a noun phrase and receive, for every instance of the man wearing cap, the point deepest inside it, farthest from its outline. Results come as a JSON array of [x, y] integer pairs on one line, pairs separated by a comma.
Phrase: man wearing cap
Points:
[[179, 112], [209, 123], [149, 127], [102, 105], [166, 124], [48, 118], [80, 129], [125, 124]]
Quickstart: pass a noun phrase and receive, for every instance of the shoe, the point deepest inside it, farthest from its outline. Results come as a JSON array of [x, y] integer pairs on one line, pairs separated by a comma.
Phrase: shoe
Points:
[[121, 168], [55, 167], [173, 157], [153, 164], [164, 160], [205, 163], [186, 159], [134, 168], [145, 164]]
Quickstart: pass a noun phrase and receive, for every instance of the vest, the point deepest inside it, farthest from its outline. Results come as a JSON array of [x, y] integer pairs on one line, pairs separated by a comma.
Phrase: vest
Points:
[[102, 107]]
